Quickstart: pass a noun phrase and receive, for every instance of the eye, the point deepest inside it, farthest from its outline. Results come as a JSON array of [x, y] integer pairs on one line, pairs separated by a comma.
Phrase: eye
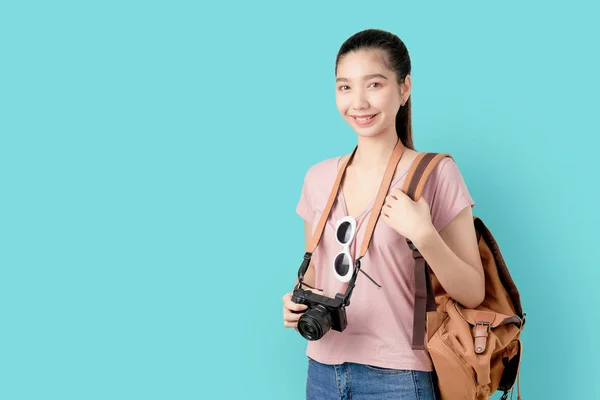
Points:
[[342, 87], [375, 83]]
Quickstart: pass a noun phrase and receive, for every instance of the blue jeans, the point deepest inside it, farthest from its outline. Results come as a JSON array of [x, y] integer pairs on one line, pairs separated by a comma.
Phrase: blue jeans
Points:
[[363, 382]]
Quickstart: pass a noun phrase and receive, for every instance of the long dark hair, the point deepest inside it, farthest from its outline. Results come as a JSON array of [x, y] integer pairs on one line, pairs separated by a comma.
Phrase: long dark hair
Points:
[[396, 58]]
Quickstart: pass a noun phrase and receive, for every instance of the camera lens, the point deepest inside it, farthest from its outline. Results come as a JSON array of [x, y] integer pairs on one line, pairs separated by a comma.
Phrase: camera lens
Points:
[[315, 322]]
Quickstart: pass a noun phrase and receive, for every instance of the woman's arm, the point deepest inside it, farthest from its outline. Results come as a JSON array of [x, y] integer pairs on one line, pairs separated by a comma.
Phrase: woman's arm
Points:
[[453, 255]]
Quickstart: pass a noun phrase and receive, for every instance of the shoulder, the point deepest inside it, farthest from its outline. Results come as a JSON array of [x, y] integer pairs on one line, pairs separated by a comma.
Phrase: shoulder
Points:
[[445, 180], [446, 192], [322, 170], [446, 170]]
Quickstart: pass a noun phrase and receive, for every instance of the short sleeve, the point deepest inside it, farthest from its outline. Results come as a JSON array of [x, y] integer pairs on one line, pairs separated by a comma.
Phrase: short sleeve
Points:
[[304, 207], [447, 193]]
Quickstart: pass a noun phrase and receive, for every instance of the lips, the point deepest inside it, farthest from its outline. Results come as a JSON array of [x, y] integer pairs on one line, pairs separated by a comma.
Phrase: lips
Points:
[[363, 117], [364, 120]]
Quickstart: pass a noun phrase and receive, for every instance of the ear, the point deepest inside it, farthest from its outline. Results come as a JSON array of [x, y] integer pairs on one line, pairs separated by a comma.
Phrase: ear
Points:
[[406, 88]]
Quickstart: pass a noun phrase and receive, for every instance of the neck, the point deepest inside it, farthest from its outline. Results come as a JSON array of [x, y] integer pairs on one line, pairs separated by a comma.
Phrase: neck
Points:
[[373, 153]]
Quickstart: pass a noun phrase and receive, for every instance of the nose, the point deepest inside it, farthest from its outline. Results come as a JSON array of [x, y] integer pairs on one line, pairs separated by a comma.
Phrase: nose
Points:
[[359, 100]]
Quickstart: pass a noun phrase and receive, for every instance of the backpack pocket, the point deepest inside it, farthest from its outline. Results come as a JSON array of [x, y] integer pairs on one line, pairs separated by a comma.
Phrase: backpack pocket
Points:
[[471, 350], [456, 379]]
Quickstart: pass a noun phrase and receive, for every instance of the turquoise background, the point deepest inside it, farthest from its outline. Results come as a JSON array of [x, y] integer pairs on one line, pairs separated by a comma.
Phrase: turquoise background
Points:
[[152, 156]]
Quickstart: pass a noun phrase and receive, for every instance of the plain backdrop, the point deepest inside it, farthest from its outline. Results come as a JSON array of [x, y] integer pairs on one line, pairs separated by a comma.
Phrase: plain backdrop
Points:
[[152, 156]]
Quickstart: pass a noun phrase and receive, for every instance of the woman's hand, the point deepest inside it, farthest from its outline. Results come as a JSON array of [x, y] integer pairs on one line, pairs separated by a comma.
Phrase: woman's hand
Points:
[[411, 219], [293, 311]]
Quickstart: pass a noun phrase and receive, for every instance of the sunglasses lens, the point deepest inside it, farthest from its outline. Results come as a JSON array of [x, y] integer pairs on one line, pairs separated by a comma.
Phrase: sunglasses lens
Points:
[[342, 264], [344, 232]]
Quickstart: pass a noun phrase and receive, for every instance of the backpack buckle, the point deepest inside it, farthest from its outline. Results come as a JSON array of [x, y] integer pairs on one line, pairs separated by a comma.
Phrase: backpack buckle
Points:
[[484, 323], [482, 329]]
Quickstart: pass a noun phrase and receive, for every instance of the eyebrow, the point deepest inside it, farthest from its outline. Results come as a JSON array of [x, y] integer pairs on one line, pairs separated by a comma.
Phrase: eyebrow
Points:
[[364, 77]]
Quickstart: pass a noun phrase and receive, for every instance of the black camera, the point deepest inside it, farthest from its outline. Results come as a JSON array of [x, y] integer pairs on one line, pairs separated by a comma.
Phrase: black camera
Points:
[[323, 313]]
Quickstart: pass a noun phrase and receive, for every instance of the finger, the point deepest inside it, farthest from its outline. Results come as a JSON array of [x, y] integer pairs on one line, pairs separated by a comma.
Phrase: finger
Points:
[[290, 324], [291, 317], [399, 192], [290, 305]]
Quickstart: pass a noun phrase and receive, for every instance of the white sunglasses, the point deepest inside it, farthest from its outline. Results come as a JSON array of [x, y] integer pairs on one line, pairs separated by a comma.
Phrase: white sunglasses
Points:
[[343, 265]]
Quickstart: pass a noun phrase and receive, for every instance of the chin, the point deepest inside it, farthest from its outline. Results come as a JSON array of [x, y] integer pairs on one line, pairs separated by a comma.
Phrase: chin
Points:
[[368, 134]]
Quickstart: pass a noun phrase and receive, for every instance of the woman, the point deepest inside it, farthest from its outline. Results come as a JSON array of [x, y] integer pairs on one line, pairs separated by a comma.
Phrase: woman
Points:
[[372, 358]]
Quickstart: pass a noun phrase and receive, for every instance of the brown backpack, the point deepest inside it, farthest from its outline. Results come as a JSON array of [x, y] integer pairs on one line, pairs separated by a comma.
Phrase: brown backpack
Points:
[[475, 352]]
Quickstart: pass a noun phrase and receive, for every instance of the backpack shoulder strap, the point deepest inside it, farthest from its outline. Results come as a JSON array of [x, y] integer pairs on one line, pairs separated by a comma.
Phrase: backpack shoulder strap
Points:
[[414, 184], [419, 172]]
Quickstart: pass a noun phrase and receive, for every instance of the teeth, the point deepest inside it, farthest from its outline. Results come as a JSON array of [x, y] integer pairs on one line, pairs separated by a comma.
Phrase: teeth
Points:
[[364, 119]]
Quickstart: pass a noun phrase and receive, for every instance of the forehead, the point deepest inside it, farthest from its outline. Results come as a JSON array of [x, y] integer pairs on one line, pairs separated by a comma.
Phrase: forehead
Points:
[[358, 63]]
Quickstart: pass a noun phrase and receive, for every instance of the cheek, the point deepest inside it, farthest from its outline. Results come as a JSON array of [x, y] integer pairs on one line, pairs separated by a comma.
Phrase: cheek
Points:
[[385, 101], [342, 104]]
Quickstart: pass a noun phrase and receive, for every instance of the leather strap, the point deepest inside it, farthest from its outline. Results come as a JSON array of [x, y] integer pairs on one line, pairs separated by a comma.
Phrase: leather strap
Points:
[[424, 301], [482, 328], [316, 238], [419, 172], [383, 190]]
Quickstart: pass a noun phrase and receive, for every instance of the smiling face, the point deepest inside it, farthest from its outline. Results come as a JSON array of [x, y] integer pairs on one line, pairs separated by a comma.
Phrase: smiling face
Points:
[[367, 94]]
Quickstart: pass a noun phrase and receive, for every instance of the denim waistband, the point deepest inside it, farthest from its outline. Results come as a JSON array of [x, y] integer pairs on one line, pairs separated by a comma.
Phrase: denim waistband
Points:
[[367, 382]]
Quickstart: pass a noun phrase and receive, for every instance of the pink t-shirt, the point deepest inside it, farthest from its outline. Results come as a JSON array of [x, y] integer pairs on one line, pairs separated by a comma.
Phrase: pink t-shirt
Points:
[[379, 330]]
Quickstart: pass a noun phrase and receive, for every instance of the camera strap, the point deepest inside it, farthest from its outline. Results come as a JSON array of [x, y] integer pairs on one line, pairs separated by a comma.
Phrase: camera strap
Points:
[[376, 211]]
